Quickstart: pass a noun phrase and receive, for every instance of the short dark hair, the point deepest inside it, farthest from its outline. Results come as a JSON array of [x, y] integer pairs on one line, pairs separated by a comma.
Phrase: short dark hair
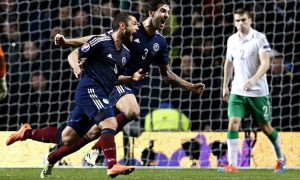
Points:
[[120, 17], [241, 11], [153, 5]]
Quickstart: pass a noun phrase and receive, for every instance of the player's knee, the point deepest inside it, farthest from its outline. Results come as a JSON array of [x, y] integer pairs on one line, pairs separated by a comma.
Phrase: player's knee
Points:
[[133, 113], [67, 141], [234, 123], [69, 136], [94, 132], [109, 123], [92, 135], [267, 129]]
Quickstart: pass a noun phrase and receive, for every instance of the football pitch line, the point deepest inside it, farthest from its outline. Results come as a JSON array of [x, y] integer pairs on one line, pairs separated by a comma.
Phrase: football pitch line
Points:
[[146, 173]]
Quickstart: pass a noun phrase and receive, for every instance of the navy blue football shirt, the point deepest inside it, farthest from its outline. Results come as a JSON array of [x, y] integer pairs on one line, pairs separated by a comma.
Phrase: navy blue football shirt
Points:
[[144, 51], [104, 63]]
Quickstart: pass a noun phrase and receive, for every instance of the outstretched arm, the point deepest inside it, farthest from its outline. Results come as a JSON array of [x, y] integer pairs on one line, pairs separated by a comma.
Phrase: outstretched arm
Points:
[[171, 78], [60, 40]]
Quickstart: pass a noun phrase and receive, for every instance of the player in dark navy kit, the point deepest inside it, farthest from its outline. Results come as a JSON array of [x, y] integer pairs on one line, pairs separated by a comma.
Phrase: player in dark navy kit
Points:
[[106, 57], [147, 47]]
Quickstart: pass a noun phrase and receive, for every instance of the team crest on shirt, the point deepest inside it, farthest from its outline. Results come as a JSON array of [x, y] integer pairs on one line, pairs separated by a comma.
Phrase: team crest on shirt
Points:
[[137, 40], [156, 46], [85, 47], [123, 60], [106, 101]]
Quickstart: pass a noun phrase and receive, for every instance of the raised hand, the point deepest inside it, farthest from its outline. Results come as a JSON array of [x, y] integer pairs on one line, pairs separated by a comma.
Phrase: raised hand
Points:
[[138, 76]]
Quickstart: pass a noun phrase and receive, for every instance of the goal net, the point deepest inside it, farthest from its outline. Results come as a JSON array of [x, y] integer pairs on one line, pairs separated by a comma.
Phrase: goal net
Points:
[[42, 85]]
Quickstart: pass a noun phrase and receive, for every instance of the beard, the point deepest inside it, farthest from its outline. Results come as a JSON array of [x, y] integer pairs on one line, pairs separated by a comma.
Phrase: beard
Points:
[[127, 36]]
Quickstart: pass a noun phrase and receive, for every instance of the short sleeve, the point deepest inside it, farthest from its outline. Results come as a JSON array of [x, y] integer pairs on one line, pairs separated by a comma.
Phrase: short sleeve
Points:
[[163, 55], [89, 47], [263, 44]]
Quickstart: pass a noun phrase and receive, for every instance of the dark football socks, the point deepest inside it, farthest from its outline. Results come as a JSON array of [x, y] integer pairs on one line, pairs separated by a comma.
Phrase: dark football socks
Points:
[[46, 135], [108, 146], [66, 150], [122, 120]]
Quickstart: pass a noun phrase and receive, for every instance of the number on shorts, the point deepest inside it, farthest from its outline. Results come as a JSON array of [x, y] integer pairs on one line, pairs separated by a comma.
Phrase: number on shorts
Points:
[[265, 108]]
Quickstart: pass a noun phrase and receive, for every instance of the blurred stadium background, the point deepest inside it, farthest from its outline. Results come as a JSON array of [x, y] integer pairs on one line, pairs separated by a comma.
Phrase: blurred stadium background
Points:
[[41, 84]]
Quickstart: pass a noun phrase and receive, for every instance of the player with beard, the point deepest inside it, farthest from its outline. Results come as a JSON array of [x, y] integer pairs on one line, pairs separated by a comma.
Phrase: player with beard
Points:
[[147, 47]]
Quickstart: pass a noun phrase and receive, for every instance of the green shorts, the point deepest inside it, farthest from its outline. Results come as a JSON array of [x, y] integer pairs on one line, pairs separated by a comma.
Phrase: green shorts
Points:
[[257, 107]]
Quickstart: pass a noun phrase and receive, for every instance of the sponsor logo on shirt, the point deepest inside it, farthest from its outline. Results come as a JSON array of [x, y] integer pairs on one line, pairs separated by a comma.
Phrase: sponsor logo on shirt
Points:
[[85, 47]]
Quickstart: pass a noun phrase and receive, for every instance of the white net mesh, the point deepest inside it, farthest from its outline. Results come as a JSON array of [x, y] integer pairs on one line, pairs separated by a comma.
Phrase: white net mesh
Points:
[[201, 32], [41, 84]]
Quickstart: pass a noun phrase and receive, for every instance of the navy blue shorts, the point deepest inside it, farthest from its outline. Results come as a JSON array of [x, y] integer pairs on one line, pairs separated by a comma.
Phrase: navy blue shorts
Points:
[[118, 92], [91, 107]]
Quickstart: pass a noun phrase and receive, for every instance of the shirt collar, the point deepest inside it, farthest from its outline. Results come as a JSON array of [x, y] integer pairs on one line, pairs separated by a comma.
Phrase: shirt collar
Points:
[[248, 37]]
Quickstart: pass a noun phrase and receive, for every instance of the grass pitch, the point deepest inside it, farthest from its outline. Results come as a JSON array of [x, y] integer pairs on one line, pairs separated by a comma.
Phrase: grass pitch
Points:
[[147, 174]]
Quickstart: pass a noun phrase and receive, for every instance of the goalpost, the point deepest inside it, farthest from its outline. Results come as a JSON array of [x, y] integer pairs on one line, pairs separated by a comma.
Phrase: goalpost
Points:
[[41, 84]]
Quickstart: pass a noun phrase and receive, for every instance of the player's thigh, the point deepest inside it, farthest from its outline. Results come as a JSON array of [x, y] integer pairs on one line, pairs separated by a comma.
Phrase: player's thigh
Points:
[[260, 109], [123, 98], [79, 121], [236, 106], [236, 111], [129, 105]]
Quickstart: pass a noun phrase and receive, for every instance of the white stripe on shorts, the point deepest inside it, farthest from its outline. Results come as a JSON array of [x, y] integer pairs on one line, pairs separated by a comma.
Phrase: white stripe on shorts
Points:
[[120, 89], [95, 98]]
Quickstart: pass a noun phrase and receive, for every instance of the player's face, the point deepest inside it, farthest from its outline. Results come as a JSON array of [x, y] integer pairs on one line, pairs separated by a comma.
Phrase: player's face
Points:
[[242, 22], [130, 29], [160, 17]]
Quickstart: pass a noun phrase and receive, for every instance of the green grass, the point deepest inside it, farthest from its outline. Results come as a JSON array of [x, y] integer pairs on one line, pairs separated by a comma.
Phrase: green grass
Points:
[[148, 174]]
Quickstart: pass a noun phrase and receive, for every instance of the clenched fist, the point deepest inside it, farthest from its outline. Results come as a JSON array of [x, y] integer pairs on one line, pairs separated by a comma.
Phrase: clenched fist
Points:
[[198, 88], [59, 40]]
